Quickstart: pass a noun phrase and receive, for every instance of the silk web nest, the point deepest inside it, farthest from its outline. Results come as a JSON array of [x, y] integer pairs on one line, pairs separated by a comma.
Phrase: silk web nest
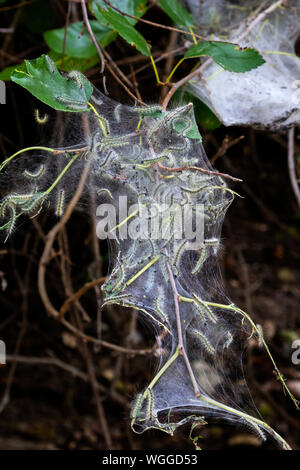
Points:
[[153, 157], [267, 97]]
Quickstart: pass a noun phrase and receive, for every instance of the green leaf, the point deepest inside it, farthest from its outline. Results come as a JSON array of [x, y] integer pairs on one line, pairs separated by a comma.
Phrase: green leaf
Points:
[[140, 8], [132, 7], [72, 63], [6, 73], [203, 114], [179, 126], [126, 30], [229, 56], [178, 14], [77, 45], [194, 133], [43, 80]]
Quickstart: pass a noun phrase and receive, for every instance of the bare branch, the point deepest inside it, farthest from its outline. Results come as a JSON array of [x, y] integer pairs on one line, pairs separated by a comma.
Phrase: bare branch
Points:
[[157, 25], [291, 164], [93, 38]]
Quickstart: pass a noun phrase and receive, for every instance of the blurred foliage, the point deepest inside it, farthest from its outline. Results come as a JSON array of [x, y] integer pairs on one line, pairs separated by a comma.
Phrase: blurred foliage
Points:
[[71, 47]]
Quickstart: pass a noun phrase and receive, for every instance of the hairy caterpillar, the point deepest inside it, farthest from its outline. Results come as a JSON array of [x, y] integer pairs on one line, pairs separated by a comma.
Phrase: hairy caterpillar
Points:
[[60, 203], [157, 302], [13, 199], [182, 119], [115, 298], [200, 261], [75, 105], [229, 340], [148, 110], [105, 191], [257, 430], [179, 254], [12, 221], [136, 407], [105, 127], [180, 147], [110, 144], [35, 202], [36, 174], [206, 344], [149, 404], [38, 118], [120, 280], [117, 112], [77, 77], [27, 202], [259, 333], [136, 152], [206, 309], [105, 161], [7, 203], [213, 242], [163, 267], [116, 278], [97, 101], [142, 409], [146, 172], [155, 159], [50, 64], [199, 311]]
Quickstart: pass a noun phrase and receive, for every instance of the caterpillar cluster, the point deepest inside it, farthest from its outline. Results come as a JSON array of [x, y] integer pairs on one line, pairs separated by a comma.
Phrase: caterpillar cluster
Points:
[[165, 263]]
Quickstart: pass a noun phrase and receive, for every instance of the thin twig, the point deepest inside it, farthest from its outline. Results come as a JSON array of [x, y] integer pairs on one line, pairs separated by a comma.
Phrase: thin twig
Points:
[[93, 381], [161, 57], [157, 25], [260, 18], [226, 144], [65, 267], [135, 83], [118, 70], [54, 361], [181, 347], [9, 36], [169, 61], [79, 293], [196, 168], [50, 240], [18, 5], [65, 34], [95, 269], [6, 30], [183, 81], [105, 344], [23, 282], [291, 164], [51, 361], [124, 86], [91, 33], [266, 211]]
